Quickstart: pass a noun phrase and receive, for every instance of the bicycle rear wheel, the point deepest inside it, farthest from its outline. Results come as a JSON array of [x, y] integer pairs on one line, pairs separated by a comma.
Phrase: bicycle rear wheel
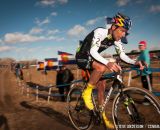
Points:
[[129, 110], [79, 115]]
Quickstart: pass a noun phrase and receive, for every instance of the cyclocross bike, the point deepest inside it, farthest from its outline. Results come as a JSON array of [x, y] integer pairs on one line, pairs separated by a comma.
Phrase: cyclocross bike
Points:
[[128, 110]]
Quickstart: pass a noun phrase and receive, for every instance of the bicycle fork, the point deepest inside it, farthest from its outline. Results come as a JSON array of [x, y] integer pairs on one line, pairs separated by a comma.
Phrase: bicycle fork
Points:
[[127, 103], [131, 109]]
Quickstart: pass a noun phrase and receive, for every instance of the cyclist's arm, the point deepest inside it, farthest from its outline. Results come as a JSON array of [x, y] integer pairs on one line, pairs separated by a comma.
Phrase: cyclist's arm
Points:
[[96, 42], [120, 51]]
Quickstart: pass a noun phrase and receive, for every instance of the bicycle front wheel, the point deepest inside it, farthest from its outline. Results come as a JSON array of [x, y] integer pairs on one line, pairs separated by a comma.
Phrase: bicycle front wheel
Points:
[[79, 115], [136, 108]]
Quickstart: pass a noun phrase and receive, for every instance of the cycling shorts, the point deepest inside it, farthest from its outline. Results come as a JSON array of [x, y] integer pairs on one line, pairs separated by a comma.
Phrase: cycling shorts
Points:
[[84, 61]]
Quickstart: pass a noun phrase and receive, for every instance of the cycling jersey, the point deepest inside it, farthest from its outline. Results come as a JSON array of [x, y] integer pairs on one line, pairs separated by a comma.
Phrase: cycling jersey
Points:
[[99, 40]]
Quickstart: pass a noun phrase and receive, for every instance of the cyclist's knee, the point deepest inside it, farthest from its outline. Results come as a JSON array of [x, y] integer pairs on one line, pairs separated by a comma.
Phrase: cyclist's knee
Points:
[[99, 67], [95, 76]]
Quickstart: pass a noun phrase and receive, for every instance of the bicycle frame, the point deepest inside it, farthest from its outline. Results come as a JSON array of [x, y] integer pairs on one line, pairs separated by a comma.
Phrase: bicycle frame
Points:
[[122, 99], [117, 82]]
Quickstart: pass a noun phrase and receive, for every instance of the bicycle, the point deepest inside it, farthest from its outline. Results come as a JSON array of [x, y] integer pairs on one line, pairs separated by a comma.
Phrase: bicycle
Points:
[[127, 108]]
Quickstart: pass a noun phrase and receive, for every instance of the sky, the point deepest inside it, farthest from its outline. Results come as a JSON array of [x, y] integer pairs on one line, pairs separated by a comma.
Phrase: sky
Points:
[[37, 29]]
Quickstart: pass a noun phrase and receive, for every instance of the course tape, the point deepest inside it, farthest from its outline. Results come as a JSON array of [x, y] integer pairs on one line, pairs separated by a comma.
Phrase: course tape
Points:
[[74, 81], [152, 69], [111, 75], [106, 76]]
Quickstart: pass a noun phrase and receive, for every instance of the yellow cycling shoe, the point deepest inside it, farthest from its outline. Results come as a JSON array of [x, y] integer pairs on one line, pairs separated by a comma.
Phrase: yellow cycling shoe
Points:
[[108, 124], [86, 95]]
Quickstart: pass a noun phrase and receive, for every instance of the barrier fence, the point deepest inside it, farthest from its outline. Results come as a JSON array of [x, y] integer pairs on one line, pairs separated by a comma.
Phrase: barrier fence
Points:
[[3, 66], [50, 87]]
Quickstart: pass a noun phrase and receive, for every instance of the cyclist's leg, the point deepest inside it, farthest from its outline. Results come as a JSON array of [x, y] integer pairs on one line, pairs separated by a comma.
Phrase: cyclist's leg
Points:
[[98, 70], [84, 63], [101, 85]]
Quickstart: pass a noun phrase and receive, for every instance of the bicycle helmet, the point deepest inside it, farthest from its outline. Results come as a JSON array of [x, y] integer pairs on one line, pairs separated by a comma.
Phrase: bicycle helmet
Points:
[[121, 20]]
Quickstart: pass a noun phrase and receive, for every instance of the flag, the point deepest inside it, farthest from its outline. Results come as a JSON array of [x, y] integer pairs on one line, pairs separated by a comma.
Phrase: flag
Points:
[[51, 63], [40, 65], [65, 58]]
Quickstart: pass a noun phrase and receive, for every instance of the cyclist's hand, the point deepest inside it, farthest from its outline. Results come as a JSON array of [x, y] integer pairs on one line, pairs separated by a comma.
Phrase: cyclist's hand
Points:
[[139, 63], [113, 67]]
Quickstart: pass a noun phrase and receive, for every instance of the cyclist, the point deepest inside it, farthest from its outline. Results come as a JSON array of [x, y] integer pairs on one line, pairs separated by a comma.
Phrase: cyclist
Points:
[[88, 55]]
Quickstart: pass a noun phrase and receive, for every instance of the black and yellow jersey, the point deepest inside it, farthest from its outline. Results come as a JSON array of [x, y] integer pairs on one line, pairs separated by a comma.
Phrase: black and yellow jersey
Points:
[[99, 40]]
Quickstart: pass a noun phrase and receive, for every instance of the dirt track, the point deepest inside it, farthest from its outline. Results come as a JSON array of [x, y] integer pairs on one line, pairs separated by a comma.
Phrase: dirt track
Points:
[[19, 113]]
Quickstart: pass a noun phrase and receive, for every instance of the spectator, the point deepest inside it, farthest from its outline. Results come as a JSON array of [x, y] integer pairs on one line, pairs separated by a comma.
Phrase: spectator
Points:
[[59, 82], [21, 74], [64, 76], [17, 69], [146, 77]]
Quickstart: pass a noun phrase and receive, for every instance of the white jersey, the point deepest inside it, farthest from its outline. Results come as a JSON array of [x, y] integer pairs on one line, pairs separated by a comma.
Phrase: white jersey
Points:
[[98, 40]]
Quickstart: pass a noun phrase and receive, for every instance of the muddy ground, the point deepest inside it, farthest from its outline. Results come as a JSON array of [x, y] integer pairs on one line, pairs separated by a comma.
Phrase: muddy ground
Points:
[[21, 111]]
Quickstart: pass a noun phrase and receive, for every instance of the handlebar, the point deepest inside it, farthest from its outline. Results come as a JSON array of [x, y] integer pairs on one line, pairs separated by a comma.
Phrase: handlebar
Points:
[[130, 67], [136, 67]]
